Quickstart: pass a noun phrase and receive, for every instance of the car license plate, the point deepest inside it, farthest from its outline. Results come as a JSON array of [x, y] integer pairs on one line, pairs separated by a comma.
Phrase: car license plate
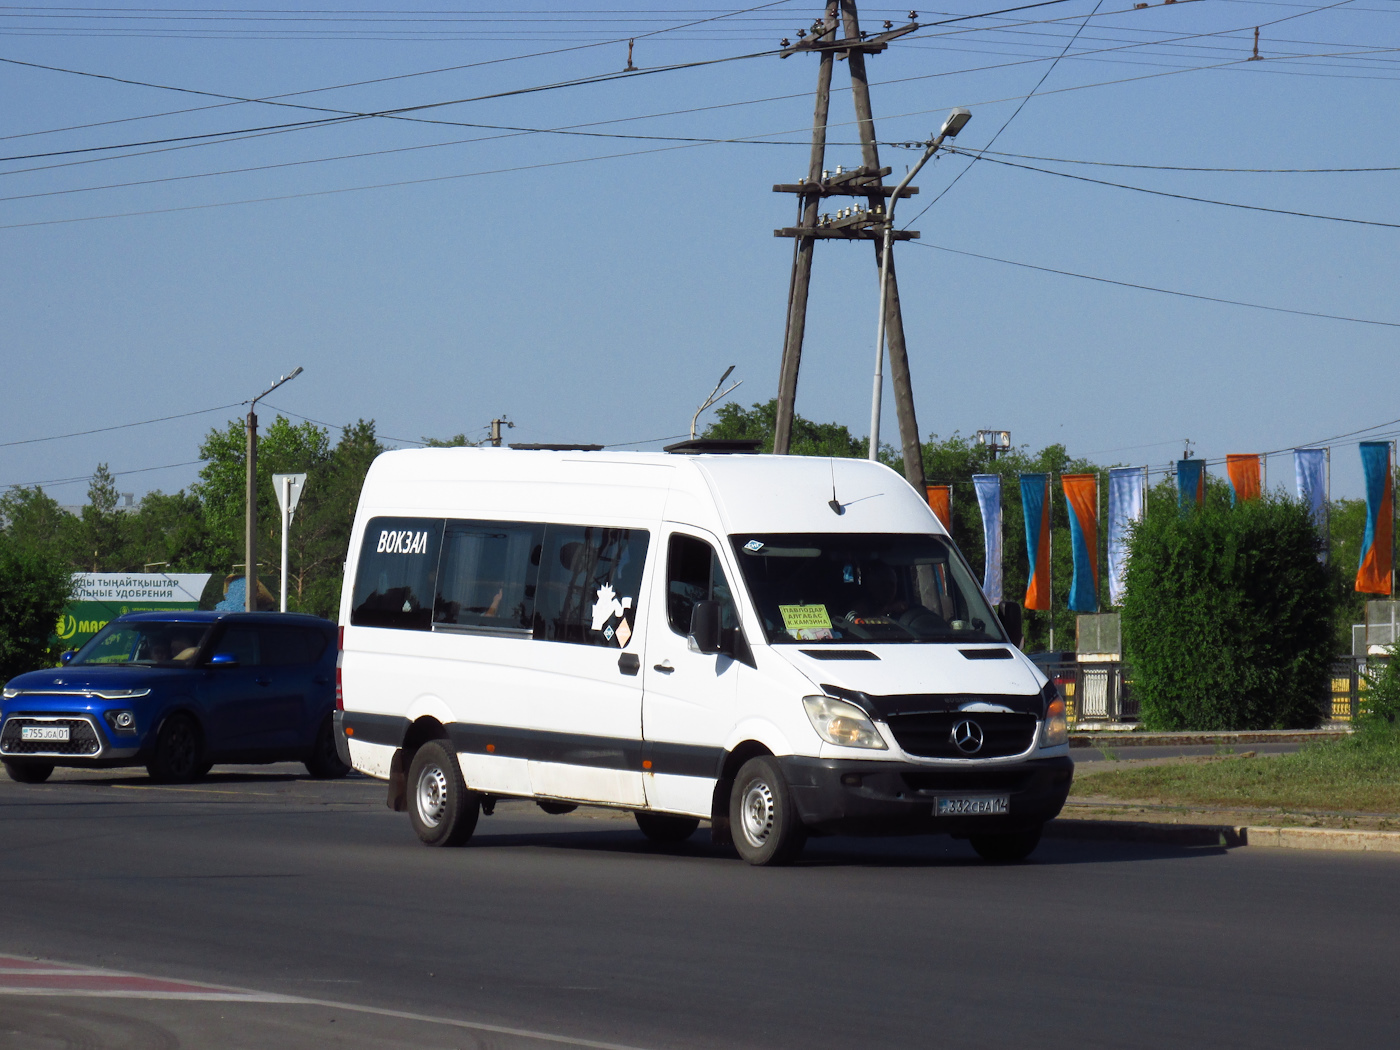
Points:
[[974, 806], [43, 732]]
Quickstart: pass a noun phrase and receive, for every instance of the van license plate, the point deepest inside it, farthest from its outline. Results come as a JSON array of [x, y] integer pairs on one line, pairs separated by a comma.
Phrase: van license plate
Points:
[[978, 806], [43, 732]]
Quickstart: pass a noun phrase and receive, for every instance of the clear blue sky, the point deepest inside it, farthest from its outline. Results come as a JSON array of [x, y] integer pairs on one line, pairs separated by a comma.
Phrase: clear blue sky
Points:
[[596, 292]]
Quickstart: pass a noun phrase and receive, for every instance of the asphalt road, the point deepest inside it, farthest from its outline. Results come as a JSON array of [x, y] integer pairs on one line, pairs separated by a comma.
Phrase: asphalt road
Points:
[[575, 928]]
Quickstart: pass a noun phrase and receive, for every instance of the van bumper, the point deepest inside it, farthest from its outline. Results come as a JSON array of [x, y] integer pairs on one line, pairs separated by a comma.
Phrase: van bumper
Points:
[[841, 796]]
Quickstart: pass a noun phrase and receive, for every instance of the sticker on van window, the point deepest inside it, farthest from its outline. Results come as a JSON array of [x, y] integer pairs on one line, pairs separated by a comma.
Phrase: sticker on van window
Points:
[[805, 617], [405, 542], [754, 546], [607, 606]]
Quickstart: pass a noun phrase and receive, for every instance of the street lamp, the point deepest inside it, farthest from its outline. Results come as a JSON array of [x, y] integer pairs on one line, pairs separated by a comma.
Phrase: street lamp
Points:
[[996, 441], [250, 519], [956, 121]]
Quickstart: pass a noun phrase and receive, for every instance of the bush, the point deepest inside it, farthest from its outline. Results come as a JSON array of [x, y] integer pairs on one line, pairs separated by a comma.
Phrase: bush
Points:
[[1380, 701], [34, 587], [1227, 617]]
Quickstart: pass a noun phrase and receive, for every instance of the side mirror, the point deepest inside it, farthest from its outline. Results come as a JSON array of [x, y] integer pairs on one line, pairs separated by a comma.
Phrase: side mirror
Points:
[[1011, 620], [66, 657], [223, 660], [704, 628]]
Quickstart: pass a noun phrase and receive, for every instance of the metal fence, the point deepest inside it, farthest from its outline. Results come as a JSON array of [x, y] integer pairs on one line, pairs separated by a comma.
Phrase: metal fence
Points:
[[1102, 692]]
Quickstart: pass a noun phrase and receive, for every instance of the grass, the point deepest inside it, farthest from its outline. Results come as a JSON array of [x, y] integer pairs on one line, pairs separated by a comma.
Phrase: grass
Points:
[[1358, 774]]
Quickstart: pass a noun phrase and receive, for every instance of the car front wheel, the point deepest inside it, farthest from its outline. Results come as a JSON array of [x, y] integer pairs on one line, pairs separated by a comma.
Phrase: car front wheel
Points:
[[28, 772], [179, 753], [443, 811]]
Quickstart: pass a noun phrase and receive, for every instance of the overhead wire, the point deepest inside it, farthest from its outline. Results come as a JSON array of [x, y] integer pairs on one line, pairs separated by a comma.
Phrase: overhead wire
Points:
[[121, 426], [1152, 288]]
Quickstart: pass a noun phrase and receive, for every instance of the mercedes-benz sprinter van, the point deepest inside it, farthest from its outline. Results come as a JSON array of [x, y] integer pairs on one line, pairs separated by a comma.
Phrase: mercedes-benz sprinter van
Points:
[[778, 645]]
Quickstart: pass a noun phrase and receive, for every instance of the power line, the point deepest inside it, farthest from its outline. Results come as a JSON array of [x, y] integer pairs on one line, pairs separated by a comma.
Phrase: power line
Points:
[[1173, 167], [114, 473], [121, 426], [1151, 288], [1177, 196]]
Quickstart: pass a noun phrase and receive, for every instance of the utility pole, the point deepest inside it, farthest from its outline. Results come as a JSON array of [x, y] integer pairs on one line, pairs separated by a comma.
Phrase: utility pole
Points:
[[496, 425], [850, 224]]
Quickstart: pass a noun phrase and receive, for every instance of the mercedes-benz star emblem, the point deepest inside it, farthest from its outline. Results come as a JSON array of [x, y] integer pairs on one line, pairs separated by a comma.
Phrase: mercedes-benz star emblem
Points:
[[967, 736]]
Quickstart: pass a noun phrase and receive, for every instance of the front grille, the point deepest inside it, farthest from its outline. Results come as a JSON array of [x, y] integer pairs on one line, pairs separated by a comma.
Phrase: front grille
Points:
[[81, 738], [930, 734]]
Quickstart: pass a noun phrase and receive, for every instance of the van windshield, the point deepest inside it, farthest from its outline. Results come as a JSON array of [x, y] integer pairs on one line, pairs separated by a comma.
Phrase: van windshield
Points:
[[849, 587]]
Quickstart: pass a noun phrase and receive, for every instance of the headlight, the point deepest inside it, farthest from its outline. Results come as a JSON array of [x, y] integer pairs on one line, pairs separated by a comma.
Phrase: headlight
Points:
[[1055, 731], [10, 694], [838, 722]]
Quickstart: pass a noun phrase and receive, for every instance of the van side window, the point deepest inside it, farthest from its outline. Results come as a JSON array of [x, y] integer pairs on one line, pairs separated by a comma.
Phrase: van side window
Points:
[[693, 574], [395, 581], [487, 578], [590, 581]]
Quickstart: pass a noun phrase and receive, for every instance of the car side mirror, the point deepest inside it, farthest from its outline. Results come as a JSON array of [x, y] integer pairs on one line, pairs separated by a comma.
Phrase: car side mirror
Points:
[[66, 657], [1011, 620], [223, 660], [704, 628]]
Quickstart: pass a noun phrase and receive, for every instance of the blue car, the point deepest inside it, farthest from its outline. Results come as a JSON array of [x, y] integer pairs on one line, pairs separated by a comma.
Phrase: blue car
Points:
[[177, 692]]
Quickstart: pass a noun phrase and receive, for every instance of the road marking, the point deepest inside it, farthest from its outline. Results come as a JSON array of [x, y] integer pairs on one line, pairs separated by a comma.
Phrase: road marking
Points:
[[41, 978]]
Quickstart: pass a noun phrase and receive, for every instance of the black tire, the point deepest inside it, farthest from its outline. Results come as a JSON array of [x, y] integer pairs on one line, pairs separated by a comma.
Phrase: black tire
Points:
[[179, 754], [27, 772], [762, 815], [443, 811], [661, 827], [324, 762], [1007, 848]]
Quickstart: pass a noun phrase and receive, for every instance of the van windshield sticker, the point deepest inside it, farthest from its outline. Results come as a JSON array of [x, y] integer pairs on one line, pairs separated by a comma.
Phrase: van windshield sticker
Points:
[[754, 545], [805, 618], [607, 606]]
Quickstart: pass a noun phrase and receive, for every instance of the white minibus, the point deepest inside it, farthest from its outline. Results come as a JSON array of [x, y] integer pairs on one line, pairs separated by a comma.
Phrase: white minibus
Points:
[[782, 646]]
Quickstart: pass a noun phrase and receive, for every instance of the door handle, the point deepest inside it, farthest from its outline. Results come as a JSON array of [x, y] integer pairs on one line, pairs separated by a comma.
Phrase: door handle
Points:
[[262, 681], [629, 663], [664, 667]]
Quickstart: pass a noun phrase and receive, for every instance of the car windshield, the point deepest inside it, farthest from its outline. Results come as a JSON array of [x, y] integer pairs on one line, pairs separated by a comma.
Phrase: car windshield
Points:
[[844, 587], [145, 643]]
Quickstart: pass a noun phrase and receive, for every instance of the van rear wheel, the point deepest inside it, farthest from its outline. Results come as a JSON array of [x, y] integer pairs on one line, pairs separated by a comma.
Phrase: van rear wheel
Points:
[[762, 815], [1006, 848], [442, 810], [660, 827]]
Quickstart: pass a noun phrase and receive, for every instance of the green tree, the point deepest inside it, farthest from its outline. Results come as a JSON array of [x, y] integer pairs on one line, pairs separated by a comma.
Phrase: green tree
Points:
[[34, 587], [759, 421], [1227, 620], [168, 530], [34, 522], [320, 532], [104, 530]]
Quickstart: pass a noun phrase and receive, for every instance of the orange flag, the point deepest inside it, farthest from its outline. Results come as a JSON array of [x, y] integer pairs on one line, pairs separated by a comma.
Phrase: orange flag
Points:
[[1246, 476], [940, 500]]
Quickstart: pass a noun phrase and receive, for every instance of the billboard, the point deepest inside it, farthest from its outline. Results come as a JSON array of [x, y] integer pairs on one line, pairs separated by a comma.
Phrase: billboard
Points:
[[102, 596]]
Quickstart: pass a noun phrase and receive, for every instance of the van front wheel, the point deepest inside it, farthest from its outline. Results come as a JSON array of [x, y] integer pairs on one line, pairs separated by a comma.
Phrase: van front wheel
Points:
[[1009, 848], [762, 816], [443, 811]]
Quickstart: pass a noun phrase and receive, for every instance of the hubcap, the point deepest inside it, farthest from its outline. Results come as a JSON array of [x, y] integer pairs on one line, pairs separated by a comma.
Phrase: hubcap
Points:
[[432, 796], [757, 810]]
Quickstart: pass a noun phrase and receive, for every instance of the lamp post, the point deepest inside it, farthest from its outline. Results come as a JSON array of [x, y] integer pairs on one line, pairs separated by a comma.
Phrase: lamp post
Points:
[[956, 121], [250, 518], [996, 441]]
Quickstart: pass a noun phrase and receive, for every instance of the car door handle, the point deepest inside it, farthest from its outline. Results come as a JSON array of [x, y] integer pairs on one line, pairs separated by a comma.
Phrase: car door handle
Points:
[[629, 663], [262, 681], [321, 679], [664, 667]]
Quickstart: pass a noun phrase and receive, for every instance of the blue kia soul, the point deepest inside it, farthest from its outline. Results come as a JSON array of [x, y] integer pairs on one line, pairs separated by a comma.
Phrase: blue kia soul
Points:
[[177, 692]]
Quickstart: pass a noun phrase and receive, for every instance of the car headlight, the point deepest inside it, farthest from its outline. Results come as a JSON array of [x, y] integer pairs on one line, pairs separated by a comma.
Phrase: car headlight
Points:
[[10, 694], [843, 724], [1055, 730]]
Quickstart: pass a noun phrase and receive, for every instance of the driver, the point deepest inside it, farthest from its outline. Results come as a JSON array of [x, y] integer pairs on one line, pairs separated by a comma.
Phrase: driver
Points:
[[878, 602]]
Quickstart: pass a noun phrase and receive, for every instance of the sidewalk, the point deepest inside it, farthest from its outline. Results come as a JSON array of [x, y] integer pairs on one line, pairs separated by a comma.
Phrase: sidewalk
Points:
[[1126, 734]]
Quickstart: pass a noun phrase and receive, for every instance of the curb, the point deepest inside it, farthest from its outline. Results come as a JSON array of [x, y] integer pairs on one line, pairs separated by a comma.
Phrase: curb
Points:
[[1227, 836]]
